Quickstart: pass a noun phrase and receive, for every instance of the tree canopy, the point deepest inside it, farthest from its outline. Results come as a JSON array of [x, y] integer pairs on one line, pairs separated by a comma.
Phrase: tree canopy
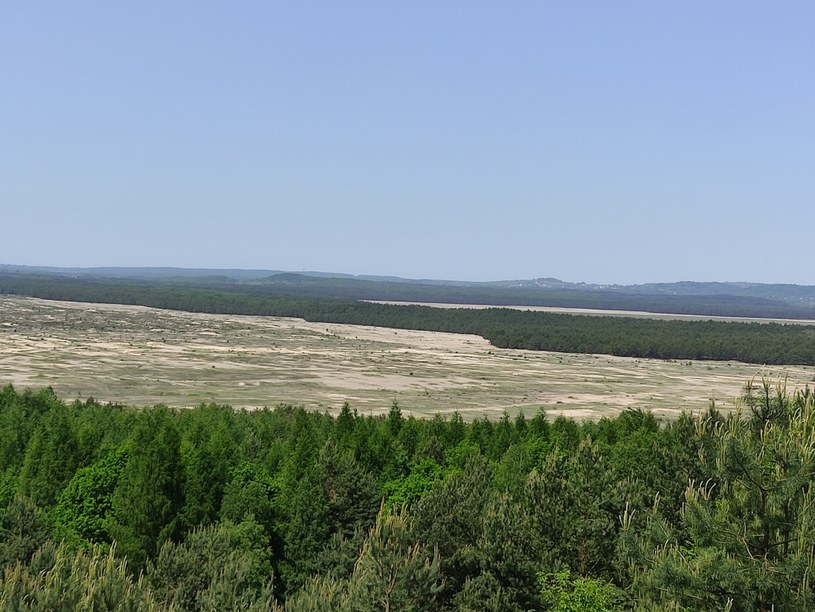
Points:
[[284, 509]]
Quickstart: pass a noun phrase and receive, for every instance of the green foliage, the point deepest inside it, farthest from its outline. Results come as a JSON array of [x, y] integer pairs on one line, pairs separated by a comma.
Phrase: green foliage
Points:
[[561, 593], [707, 512], [323, 593], [83, 511], [20, 413], [744, 538], [339, 556], [8, 485], [337, 496], [252, 493], [51, 457], [346, 423], [306, 533], [221, 567], [405, 491], [507, 550], [394, 420], [484, 593], [393, 571], [450, 519], [207, 454], [148, 497], [23, 529], [351, 492], [60, 579], [572, 503]]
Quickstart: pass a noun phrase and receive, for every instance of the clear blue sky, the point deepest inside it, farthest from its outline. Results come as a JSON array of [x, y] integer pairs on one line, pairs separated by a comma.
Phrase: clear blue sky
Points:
[[615, 142]]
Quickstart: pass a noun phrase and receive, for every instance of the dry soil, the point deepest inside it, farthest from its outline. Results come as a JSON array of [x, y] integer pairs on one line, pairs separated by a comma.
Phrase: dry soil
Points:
[[144, 356]]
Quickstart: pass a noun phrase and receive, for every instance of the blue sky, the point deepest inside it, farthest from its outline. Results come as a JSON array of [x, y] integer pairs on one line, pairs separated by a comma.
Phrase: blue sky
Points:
[[614, 142]]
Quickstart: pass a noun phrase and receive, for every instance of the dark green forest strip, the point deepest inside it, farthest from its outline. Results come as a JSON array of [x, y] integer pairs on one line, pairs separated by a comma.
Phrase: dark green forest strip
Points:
[[760, 343], [743, 300], [729, 305]]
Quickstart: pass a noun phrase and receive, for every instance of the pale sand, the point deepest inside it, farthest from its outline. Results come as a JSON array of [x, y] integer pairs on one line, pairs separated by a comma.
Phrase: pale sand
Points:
[[599, 312], [143, 356]]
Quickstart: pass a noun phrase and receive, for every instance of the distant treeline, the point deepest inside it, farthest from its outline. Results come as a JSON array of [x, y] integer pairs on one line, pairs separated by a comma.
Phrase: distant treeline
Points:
[[108, 508], [711, 299], [761, 343], [564, 297]]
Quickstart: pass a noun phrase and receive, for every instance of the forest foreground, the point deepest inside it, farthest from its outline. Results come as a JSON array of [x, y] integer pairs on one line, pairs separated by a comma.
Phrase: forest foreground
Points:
[[108, 508]]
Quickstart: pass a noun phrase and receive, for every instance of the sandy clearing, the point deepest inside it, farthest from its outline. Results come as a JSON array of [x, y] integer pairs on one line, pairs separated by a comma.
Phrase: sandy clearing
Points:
[[143, 356], [599, 312]]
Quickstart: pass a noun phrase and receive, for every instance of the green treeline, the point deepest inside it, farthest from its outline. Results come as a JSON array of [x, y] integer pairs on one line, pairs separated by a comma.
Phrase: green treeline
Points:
[[713, 299], [107, 507], [762, 343]]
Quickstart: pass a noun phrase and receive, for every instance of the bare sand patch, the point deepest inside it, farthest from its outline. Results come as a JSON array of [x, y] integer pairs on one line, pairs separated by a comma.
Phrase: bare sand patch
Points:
[[143, 356], [602, 312]]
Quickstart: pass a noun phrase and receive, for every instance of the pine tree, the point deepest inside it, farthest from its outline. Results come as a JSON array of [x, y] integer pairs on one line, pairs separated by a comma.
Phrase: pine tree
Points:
[[394, 572], [745, 537], [51, 458], [61, 579], [149, 495]]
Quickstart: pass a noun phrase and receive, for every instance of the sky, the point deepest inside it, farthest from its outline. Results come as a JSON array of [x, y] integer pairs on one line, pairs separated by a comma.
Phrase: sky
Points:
[[605, 142]]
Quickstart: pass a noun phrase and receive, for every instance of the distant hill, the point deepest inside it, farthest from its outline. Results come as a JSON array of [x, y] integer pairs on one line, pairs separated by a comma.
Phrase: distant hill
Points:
[[140, 273], [801, 295], [687, 297]]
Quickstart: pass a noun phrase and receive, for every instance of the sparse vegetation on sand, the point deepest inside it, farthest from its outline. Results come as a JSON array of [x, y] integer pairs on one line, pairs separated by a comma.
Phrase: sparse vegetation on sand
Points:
[[142, 356]]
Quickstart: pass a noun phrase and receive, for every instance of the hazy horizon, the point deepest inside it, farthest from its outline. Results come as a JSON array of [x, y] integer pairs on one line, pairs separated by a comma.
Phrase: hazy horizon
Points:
[[385, 276], [590, 142]]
